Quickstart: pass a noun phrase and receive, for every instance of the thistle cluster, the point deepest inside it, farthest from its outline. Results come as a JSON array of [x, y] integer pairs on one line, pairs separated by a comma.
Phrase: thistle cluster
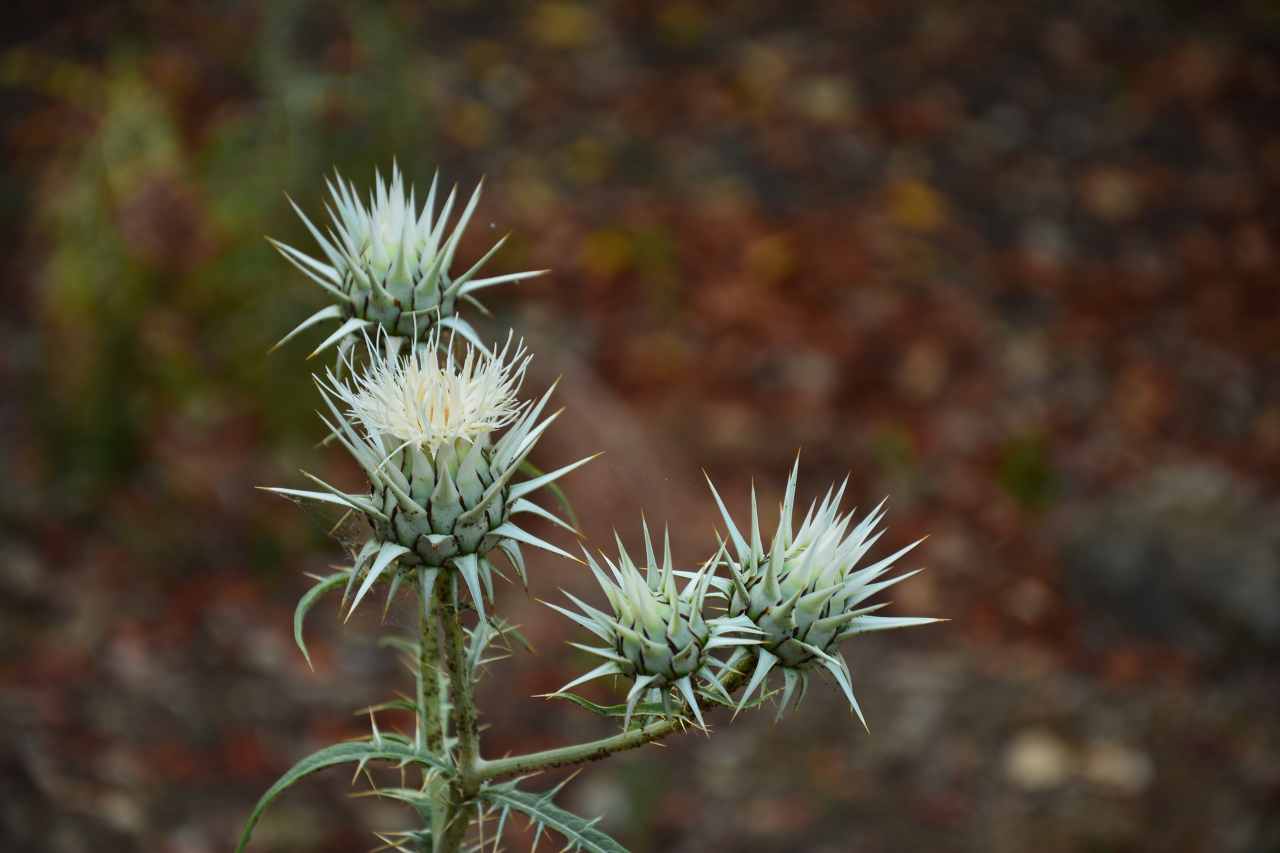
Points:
[[436, 423], [786, 608]]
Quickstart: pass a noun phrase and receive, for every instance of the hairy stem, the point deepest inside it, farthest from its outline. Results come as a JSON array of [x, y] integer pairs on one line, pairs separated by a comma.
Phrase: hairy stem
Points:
[[428, 670], [595, 750], [430, 721], [463, 710]]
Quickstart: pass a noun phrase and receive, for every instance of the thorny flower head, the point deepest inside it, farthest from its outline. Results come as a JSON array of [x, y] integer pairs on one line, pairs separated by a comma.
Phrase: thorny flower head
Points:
[[653, 632], [442, 492], [388, 265], [807, 593]]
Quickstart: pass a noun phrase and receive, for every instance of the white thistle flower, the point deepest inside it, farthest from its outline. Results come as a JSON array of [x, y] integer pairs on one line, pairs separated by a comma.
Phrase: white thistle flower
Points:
[[388, 264], [806, 593], [654, 634], [428, 399], [441, 491]]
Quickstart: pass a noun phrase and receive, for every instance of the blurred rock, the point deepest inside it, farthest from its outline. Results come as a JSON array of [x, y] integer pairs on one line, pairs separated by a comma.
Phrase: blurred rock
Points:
[[1029, 600], [1037, 760], [1188, 555], [1118, 767], [827, 99], [923, 370], [1112, 195]]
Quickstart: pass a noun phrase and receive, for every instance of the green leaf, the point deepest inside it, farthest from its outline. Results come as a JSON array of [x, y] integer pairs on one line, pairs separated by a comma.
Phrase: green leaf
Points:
[[643, 709], [494, 629], [408, 645], [506, 629], [386, 747], [308, 600], [761, 698], [581, 834], [421, 801], [532, 470], [400, 704]]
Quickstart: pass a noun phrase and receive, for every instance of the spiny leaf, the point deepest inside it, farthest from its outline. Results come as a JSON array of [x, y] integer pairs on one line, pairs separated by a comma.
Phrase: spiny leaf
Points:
[[506, 629], [643, 709], [580, 833], [401, 704], [527, 467], [308, 600], [493, 630], [389, 747], [762, 697]]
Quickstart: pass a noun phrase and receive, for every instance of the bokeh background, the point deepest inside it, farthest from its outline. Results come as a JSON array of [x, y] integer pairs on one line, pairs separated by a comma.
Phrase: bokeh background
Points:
[[1013, 264]]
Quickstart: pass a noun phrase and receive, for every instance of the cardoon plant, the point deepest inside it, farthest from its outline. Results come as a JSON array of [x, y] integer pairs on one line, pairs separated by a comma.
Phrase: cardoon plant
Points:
[[435, 420]]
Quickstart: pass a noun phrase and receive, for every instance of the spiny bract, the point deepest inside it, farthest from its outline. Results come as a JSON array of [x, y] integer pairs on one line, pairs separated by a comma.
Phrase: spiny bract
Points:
[[389, 263], [655, 635], [806, 594], [440, 492]]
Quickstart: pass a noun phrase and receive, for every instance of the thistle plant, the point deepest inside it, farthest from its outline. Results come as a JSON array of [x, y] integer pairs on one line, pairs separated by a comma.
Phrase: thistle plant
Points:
[[435, 420]]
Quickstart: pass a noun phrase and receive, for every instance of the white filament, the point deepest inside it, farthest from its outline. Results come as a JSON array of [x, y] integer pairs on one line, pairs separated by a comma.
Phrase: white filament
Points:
[[429, 398]]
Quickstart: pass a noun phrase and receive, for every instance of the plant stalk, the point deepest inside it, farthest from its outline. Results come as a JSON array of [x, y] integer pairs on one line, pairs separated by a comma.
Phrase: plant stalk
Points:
[[463, 711], [428, 670], [430, 721], [604, 747]]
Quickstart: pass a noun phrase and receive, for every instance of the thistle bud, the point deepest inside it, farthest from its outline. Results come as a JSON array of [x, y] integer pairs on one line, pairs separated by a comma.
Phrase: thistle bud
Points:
[[806, 594], [653, 633], [387, 265], [441, 492]]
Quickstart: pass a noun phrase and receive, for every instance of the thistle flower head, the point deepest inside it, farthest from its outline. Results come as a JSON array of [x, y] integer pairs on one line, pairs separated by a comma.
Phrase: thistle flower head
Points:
[[653, 632], [430, 398], [806, 592], [442, 493], [388, 264]]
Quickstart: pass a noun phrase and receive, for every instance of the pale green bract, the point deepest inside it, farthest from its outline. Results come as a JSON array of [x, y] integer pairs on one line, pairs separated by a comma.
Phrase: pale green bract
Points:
[[388, 264], [806, 593], [653, 634], [441, 495]]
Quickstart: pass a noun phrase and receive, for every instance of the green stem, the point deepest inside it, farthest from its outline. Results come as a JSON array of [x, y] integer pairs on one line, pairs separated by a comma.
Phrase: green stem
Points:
[[463, 710], [430, 721], [428, 672], [604, 747]]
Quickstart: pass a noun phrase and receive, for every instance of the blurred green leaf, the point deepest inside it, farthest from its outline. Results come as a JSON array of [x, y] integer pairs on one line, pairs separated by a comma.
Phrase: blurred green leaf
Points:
[[1026, 472]]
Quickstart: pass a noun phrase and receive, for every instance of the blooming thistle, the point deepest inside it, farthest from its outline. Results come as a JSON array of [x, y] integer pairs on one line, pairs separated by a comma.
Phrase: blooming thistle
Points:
[[655, 635], [441, 493], [806, 593], [389, 264]]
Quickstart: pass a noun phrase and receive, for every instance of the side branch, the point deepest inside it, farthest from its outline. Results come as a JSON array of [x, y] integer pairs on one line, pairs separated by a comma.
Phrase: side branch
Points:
[[597, 749]]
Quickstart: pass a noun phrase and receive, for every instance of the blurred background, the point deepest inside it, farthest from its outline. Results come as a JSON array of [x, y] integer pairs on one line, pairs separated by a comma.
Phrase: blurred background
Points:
[[1013, 264]]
